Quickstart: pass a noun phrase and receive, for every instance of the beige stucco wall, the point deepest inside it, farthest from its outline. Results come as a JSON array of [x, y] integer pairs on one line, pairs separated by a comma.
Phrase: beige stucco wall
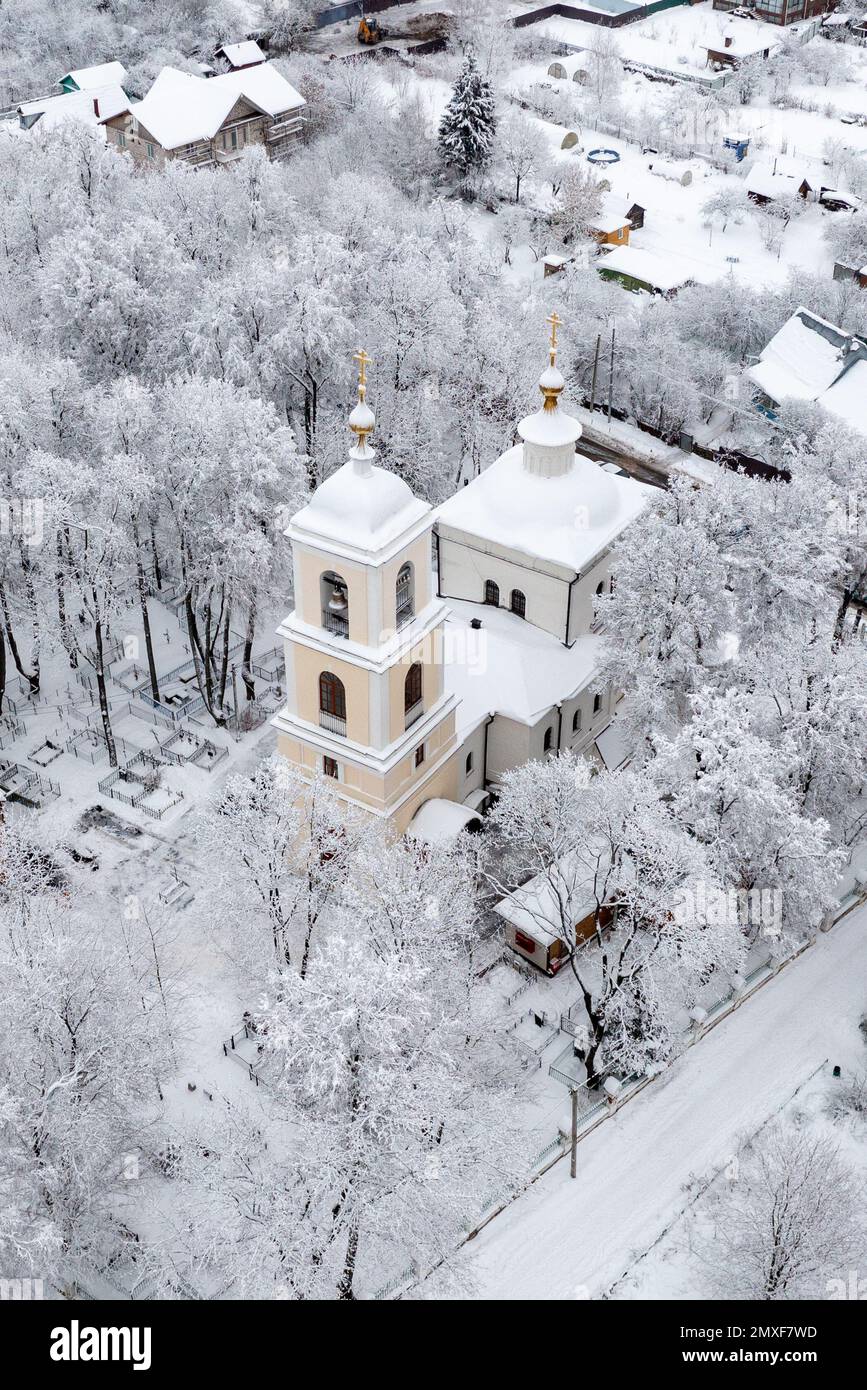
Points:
[[308, 666], [310, 565], [429, 653], [379, 793], [419, 556]]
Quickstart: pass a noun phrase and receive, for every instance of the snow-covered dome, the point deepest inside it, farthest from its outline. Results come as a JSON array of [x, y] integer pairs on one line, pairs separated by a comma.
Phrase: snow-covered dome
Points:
[[551, 511], [550, 434], [360, 505]]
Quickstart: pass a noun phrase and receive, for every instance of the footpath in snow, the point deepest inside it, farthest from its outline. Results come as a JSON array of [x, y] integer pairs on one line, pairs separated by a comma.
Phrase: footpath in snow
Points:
[[573, 1239]]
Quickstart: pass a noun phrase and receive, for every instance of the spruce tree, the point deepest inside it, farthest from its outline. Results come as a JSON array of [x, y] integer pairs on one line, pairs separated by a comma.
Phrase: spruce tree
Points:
[[466, 134]]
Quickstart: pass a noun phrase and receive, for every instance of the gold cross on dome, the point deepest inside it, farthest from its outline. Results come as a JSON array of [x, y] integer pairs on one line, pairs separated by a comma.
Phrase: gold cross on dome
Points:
[[364, 362], [556, 322]]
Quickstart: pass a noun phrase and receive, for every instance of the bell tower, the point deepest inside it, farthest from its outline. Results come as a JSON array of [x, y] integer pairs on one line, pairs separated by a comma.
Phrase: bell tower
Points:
[[366, 703]]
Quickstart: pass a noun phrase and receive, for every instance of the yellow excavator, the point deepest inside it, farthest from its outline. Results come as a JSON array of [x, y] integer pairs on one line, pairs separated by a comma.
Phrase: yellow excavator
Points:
[[368, 31]]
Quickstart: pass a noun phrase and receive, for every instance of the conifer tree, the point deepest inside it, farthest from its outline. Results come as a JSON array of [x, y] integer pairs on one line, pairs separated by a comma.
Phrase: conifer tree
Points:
[[466, 134]]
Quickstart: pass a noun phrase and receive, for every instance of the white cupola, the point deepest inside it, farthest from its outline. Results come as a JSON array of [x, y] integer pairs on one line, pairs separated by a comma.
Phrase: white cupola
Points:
[[550, 435]]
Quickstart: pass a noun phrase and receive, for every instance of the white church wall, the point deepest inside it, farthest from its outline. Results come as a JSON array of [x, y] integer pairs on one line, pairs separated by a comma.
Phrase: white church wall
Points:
[[581, 610], [464, 570]]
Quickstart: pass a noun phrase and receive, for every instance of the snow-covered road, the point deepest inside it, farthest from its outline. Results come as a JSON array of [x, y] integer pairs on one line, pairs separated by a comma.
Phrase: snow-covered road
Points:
[[566, 1239]]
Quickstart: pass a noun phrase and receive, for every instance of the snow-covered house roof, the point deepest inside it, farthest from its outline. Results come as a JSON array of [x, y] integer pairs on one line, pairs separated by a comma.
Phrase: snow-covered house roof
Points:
[[241, 55], [264, 86], [181, 109], [91, 107], [847, 398], [805, 358], [779, 180], [612, 215], [660, 272], [739, 43], [539, 906], [103, 75]]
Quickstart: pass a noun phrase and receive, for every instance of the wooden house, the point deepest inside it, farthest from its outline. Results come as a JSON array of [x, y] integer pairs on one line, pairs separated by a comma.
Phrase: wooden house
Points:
[[210, 121], [531, 918]]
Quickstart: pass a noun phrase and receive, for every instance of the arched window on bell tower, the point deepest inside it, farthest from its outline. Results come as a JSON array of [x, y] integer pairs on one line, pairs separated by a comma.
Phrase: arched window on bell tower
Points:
[[334, 600], [413, 705], [404, 595], [332, 703]]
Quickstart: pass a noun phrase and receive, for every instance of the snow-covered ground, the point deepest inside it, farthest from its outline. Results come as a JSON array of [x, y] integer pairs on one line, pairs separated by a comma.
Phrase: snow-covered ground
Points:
[[573, 1240]]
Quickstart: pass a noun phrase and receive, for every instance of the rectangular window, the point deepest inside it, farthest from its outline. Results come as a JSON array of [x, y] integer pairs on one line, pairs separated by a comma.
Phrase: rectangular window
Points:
[[329, 767], [150, 150], [121, 138], [234, 139], [419, 755]]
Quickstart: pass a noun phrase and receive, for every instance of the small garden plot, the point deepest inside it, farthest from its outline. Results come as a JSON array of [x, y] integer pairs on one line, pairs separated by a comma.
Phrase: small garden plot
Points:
[[158, 800], [130, 676], [181, 746], [208, 755], [45, 753], [533, 1031]]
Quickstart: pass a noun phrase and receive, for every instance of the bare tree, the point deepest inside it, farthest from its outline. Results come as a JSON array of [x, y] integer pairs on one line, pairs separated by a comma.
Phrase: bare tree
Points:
[[522, 149], [789, 1222]]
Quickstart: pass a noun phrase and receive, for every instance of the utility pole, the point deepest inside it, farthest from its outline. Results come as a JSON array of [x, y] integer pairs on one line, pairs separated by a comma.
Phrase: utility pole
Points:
[[611, 375], [235, 700], [573, 1163], [595, 369]]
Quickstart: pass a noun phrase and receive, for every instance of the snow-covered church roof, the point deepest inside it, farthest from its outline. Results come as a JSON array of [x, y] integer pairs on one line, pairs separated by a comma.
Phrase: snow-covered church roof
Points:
[[541, 498]]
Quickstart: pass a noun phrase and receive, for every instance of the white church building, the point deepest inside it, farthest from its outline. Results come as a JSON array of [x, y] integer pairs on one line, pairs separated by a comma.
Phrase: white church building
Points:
[[431, 651]]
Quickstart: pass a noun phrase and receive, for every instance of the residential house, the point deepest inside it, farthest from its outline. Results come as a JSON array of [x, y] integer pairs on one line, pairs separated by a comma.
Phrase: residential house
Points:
[[210, 121], [779, 11], [766, 183], [809, 359], [89, 107], [739, 47]]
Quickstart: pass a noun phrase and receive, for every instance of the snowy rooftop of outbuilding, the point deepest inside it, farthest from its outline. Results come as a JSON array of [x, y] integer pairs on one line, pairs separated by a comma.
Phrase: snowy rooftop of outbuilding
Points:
[[803, 359], [780, 179], [539, 906], [438, 820], [180, 109], [508, 666], [611, 216], [566, 520], [661, 272], [77, 106], [741, 44], [239, 54], [102, 75]]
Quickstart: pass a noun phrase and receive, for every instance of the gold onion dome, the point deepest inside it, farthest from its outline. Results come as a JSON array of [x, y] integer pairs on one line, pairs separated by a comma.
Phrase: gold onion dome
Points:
[[362, 419]]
